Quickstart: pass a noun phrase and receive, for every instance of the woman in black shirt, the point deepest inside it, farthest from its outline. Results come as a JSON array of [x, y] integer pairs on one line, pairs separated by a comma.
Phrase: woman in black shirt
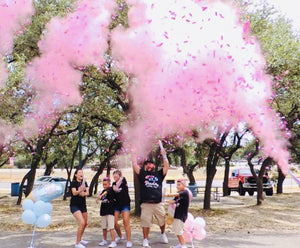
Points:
[[120, 188], [79, 191]]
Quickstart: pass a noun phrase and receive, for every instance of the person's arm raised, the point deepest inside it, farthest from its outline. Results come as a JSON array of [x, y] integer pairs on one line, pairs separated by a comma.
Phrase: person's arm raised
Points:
[[165, 159], [135, 165]]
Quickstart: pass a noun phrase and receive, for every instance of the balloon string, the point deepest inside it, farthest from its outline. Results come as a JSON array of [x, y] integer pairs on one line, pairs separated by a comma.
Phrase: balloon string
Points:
[[192, 244], [33, 233], [191, 237]]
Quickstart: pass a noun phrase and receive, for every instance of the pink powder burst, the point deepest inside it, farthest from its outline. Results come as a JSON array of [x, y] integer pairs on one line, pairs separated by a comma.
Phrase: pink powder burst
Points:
[[216, 80], [68, 45], [13, 14]]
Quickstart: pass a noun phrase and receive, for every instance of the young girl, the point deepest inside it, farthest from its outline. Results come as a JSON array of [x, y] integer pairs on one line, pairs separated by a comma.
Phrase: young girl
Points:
[[79, 191], [107, 210], [181, 201], [120, 188]]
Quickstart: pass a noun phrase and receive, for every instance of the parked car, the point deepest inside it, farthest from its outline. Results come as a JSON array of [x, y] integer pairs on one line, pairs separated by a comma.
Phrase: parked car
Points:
[[242, 181], [46, 179]]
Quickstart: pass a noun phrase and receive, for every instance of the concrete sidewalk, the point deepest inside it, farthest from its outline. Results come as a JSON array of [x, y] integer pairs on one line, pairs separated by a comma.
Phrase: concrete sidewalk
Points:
[[54, 239], [44, 239]]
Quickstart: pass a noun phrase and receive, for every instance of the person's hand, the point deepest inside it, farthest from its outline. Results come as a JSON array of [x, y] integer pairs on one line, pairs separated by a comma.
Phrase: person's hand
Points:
[[97, 201], [163, 152], [81, 188]]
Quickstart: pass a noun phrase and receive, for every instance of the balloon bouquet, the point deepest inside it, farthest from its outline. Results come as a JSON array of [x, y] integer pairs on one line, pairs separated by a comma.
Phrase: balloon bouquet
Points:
[[37, 207], [194, 228]]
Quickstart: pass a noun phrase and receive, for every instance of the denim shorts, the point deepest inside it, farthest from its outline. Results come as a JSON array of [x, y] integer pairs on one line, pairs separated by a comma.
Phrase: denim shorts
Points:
[[74, 209], [122, 209]]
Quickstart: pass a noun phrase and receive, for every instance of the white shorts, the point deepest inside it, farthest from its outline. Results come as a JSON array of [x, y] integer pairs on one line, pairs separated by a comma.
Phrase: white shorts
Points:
[[177, 227], [108, 222]]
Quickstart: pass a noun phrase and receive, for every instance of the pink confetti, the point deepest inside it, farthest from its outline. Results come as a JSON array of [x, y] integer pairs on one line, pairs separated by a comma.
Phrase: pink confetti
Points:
[[211, 79]]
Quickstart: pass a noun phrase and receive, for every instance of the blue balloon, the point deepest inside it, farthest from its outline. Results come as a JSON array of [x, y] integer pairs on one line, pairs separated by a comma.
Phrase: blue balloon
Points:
[[28, 217], [48, 207], [39, 208], [48, 191], [43, 221], [27, 204]]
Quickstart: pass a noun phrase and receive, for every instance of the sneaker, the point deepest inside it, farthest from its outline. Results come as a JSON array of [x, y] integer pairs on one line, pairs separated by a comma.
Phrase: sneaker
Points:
[[164, 238], [145, 243], [113, 244], [118, 239], [128, 244], [79, 245], [177, 246], [84, 242], [103, 242]]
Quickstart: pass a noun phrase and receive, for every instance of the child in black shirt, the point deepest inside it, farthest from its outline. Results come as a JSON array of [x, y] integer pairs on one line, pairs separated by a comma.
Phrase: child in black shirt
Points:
[[181, 201], [107, 210]]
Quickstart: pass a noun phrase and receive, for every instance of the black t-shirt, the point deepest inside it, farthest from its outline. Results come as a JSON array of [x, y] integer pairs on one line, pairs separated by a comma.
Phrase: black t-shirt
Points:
[[107, 202], [151, 185], [77, 200], [122, 195], [182, 204]]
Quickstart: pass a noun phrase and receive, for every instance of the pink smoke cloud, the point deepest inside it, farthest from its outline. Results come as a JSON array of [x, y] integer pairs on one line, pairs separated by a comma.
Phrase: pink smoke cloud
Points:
[[13, 15], [195, 67], [68, 44]]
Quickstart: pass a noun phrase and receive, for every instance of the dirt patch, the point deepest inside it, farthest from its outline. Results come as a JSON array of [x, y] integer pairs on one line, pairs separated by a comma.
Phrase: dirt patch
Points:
[[231, 214]]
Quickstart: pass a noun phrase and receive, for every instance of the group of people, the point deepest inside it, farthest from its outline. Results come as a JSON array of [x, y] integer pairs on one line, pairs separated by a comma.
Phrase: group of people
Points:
[[115, 200]]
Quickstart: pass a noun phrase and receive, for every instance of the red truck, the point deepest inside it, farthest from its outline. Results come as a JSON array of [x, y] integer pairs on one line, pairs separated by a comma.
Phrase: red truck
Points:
[[242, 181]]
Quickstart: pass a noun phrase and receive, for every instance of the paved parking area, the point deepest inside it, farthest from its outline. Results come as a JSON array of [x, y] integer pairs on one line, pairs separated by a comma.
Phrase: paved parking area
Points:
[[44, 239]]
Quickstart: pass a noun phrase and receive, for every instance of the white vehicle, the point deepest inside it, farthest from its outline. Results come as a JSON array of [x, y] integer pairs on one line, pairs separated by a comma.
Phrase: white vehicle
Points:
[[48, 179]]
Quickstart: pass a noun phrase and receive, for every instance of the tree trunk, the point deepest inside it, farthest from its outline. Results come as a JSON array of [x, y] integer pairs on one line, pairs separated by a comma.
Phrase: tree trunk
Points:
[[67, 191], [29, 177], [281, 178], [212, 161], [188, 170], [31, 174], [36, 158], [49, 167], [210, 174], [227, 155], [259, 179], [93, 189], [260, 192], [226, 176]]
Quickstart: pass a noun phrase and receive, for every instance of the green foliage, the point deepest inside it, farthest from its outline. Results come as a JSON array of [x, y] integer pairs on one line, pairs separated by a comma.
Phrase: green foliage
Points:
[[22, 161], [27, 43], [281, 49], [120, 17]]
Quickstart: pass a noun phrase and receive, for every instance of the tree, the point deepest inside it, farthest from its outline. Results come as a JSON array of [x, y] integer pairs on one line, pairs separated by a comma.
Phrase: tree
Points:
[[259, 178], [37, 150], [215, 147], [281, 49], [101, 112], [227, 153]]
